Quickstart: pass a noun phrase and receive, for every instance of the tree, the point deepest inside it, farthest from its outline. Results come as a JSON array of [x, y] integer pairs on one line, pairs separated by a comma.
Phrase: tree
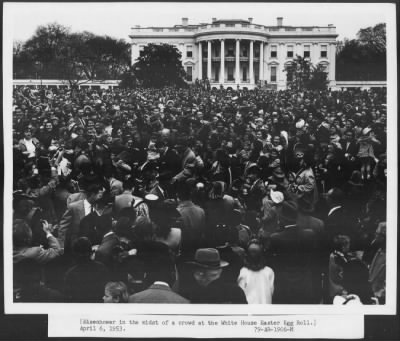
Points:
[[129, 80], [363, 58], [160, 65], [374, 37], [301, 74], [54, 52]]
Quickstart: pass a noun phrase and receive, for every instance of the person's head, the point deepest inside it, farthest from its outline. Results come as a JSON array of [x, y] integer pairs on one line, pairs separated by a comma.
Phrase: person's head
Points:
[[28, 134], [183, 191], [94, 193], [123, 227], [143, 229], [335, 197], [159, 266], [22, 233], [341, 243], [205, 276], [82, 249], [49, 126], [115, 292], [207, 266], [348, 135], [254, 255]]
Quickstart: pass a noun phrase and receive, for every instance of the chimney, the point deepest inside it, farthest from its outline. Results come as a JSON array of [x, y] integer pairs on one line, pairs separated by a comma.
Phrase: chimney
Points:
[[279, 21], [214, 20], [185, 21], [251, 20], [330, 25]]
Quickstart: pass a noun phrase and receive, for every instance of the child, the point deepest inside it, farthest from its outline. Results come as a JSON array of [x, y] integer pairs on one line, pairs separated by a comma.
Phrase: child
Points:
[[115, 292], [338, 258], [366, 151], [255, 278]]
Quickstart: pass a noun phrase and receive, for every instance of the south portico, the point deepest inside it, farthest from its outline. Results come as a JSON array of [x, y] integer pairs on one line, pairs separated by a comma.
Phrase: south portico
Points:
[[231, 60]]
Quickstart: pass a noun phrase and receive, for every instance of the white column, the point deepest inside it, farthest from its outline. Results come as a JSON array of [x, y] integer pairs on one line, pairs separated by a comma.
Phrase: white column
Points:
[[134, 52], [261, 70], [222, 71], [237, 60], [200, 62], [281, 59], [209, 61], [298, 50], [332, 61], [314, 53], [251, 68]]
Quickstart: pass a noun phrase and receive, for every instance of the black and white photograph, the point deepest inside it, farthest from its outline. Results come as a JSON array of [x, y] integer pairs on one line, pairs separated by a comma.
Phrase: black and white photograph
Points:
[[219, 157]]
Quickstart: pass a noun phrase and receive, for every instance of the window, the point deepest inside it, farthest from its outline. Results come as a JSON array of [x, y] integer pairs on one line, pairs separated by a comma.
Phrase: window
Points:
[[230, 73], [273, 73], [230, 51], [324, 51], [189, 72], [290, 51], [274, 52], [244, 52], [306, 51], [189, 51]]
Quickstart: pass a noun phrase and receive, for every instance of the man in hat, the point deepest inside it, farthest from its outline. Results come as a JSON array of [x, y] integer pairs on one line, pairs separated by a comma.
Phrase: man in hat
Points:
[[292, 248], [207, 268]]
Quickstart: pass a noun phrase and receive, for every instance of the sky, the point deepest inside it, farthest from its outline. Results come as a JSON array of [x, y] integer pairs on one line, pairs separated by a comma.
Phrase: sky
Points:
[[116, 19]]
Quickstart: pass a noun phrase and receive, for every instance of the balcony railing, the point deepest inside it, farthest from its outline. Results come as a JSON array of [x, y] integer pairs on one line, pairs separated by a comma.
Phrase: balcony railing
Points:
[[232, 26]]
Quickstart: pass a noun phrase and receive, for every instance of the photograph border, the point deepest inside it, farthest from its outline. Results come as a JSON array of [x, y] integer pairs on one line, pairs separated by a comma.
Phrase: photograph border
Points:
[[68, 308]]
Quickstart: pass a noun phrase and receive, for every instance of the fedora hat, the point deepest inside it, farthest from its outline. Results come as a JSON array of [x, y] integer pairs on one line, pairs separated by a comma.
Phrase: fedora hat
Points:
[[208, 258]]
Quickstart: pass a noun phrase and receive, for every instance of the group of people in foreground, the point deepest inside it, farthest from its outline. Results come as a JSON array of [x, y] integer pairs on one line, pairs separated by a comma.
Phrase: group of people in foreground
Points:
[[199, 196]]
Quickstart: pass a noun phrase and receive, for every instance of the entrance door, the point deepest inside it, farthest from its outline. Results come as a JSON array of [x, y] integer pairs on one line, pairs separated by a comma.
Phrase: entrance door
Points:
[[230, 73], [244, 74], [216, 77]]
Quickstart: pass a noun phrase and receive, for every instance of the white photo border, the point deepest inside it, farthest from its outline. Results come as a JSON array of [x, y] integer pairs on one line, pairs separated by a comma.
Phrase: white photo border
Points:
[[9, 12]]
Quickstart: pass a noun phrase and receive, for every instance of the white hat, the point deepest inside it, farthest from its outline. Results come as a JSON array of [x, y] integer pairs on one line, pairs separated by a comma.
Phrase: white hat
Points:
[[151, 197], [276, 196], [300, 124], [366, 130]]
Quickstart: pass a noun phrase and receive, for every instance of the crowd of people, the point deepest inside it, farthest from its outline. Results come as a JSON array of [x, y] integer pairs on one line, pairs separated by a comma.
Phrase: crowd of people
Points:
[[199, 195]]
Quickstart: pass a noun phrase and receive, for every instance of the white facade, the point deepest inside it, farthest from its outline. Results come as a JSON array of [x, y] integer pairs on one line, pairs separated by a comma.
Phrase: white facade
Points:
[[253, 54]]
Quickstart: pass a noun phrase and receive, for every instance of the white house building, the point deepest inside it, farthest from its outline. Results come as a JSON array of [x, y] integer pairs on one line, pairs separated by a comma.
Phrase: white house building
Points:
[[240, 53]]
